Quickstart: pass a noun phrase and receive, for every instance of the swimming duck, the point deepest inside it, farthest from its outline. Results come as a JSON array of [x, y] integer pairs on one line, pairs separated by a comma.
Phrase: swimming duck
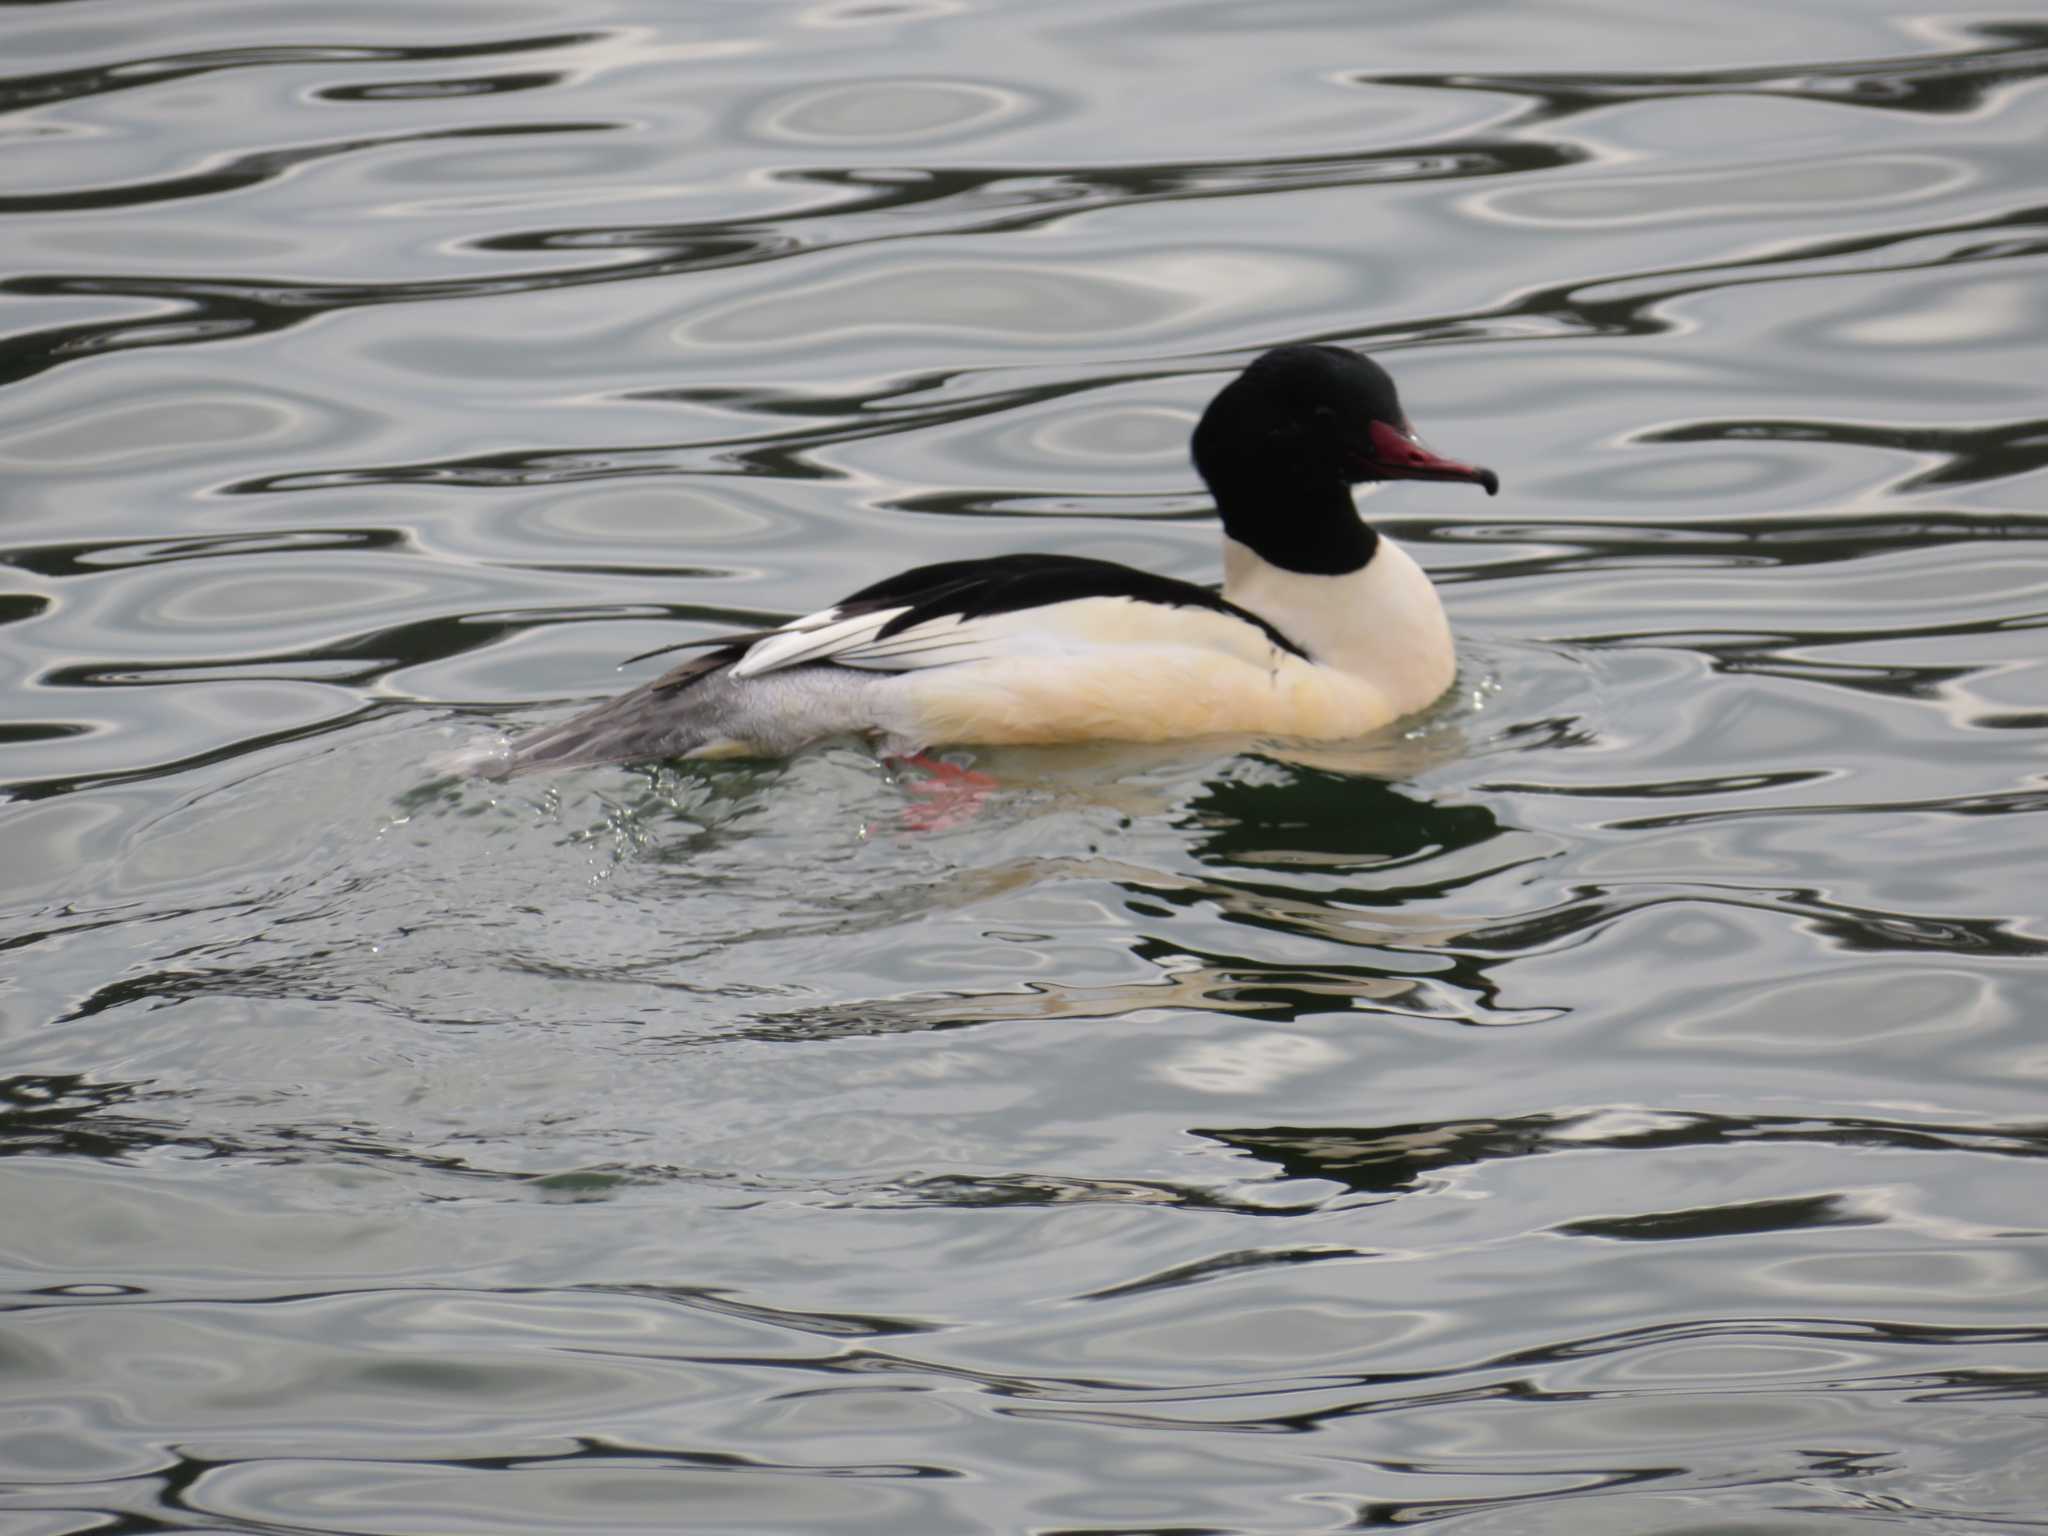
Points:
[[1325, 628]]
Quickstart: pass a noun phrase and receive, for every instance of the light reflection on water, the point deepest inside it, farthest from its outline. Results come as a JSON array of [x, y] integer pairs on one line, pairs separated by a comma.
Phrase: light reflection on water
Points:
[[1609, 1105]]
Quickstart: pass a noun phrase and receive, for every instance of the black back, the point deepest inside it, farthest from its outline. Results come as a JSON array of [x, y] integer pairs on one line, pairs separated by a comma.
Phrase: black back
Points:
[[972, 589]]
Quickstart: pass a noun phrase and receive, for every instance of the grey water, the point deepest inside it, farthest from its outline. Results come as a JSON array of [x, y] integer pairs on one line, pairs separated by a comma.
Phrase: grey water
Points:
[[1615, 1102]]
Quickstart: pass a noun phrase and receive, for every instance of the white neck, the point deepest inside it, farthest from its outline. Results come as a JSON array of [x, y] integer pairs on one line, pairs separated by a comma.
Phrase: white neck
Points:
[[1383, 622]]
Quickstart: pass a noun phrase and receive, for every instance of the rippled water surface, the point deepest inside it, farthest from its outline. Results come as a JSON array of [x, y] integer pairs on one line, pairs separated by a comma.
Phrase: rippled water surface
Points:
[[1615, 1104]]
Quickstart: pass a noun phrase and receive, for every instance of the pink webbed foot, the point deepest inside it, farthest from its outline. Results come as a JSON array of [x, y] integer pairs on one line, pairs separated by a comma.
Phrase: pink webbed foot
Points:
[[950, 795]]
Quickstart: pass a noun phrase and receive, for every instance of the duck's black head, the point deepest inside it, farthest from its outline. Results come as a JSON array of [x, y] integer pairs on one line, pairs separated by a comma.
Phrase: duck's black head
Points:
[[1285, 441]]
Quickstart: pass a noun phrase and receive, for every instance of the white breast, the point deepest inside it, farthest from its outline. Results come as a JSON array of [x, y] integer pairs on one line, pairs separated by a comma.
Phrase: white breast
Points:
[[1383, 625]]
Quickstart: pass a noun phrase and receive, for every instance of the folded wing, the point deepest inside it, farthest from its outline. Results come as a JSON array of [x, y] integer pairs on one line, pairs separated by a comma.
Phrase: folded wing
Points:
[[1015, 605]]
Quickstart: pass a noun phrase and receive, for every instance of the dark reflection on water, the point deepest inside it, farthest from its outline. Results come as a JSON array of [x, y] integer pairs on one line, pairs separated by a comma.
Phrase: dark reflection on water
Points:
[[21, 91], [1964, 455], [1735, 542], [1336, 819], [1946, 83], [1610, 1104], [91, 557], [1400, 1157], [228, 307], [72, 1116]]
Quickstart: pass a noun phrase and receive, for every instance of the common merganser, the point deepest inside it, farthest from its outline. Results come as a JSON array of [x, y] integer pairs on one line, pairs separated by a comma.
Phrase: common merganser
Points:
[[1325, 628]]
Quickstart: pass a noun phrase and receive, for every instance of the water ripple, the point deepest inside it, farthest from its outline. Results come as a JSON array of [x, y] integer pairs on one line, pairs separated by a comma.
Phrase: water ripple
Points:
[[1953, 82], [1620, 1084]]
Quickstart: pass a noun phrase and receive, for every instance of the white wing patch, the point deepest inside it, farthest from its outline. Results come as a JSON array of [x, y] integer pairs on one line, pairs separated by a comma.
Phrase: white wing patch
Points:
[[1090, 624], [814, 637], [858, 642]]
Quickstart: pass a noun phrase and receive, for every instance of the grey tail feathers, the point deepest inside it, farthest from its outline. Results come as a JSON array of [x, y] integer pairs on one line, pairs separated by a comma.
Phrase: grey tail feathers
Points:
[[630, 728]]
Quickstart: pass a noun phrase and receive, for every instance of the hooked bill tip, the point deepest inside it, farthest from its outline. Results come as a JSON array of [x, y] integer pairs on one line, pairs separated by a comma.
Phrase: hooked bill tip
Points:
[[1489, 480]]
